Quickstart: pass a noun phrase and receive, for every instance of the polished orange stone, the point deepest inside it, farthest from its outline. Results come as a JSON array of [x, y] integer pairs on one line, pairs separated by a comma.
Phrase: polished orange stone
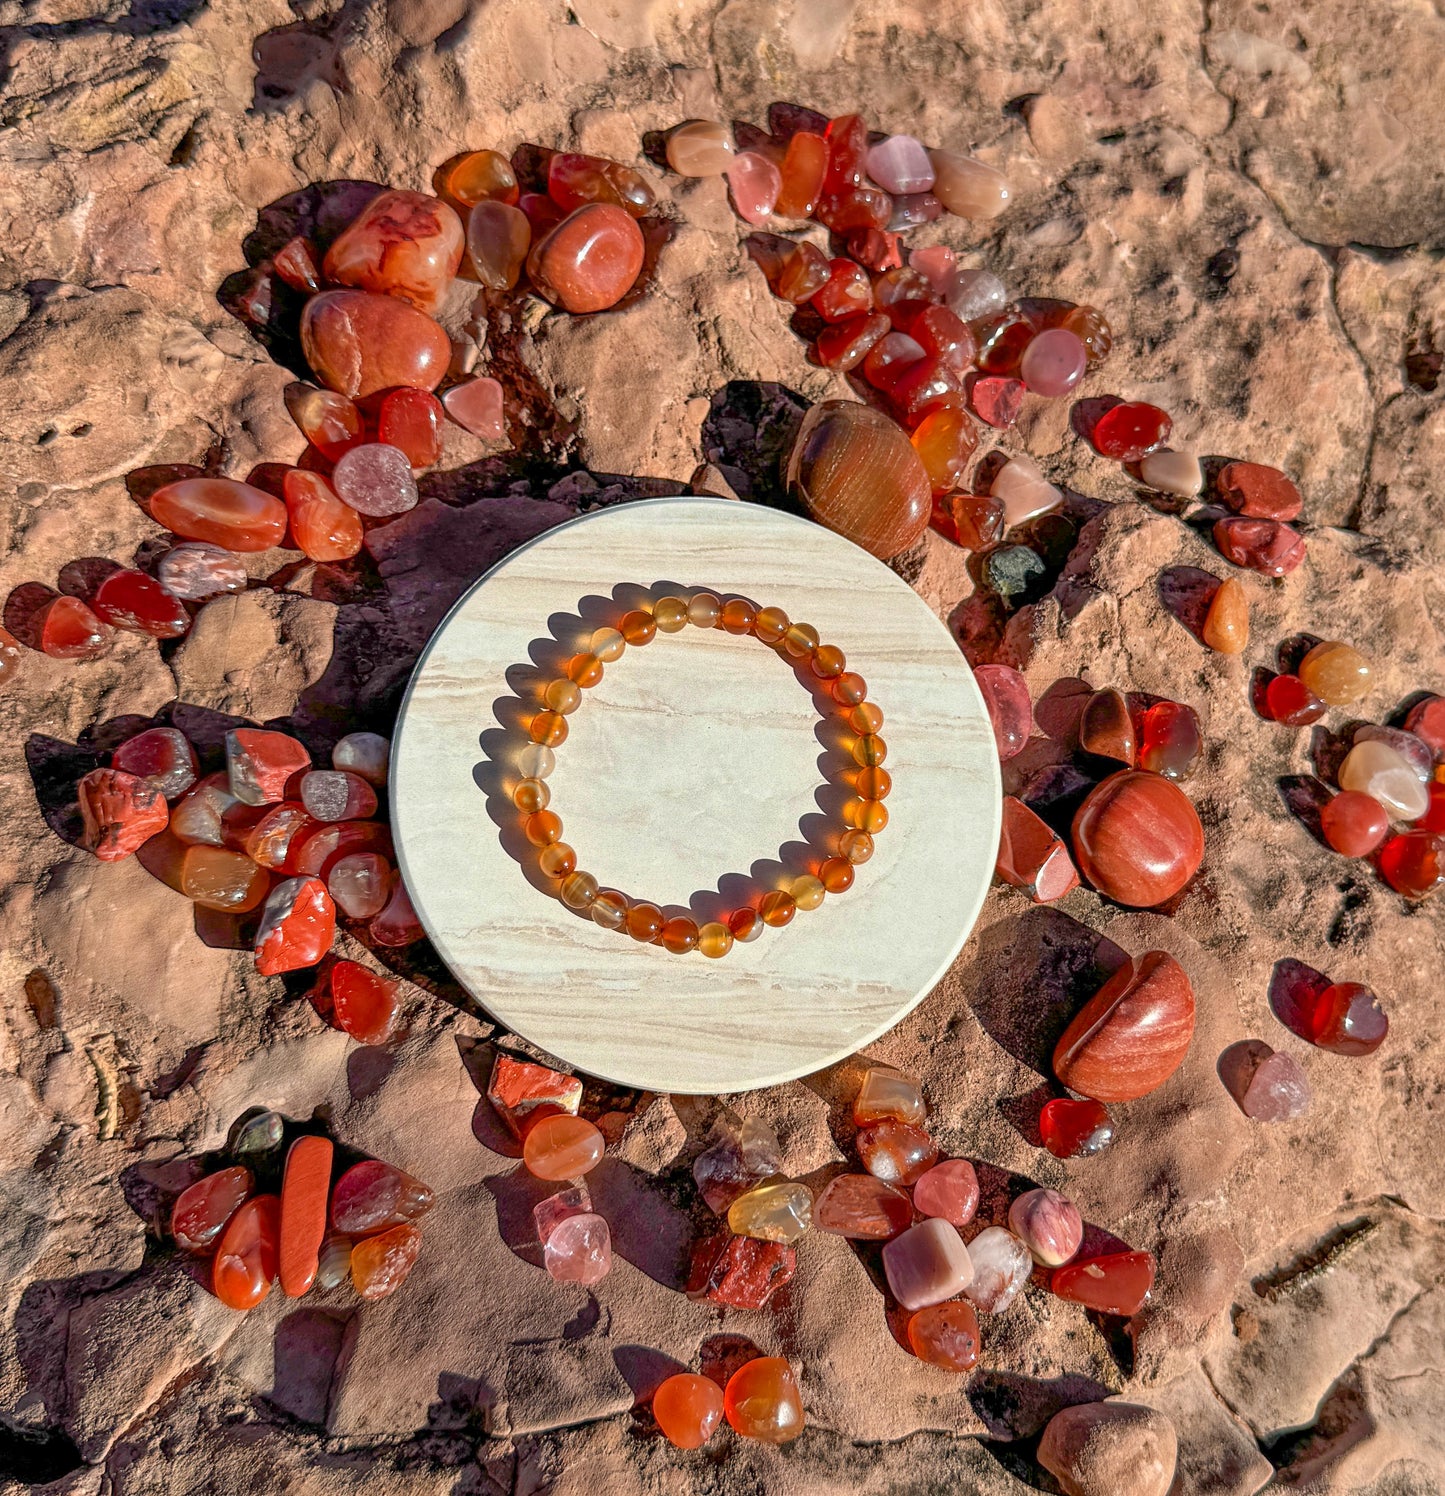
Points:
[[1105, 727], [233, 515], [1132, 1035], [411, 421], [404, 244], [215, 878], [1226, 624], [688, 1409], [805, 163], [1137, 838], [69, 630], [202, 1211], [777, 907], [873, 783], [944, 441], [638, 627], [836, 874], [305, 1193], [481, 176], [549, 729], [896, 1152], [862, 1208], [322, 526], [329, 421], [762, 1401], [245, 1264], [380, 1264], [359, 343], [298, 926], [1119, 1283], [1337, 673], [562, 1147], [946, 1335], [261, 763], [680, 934], [499, 238], [542, 828], [119, 812], [590, 261], [366, 1004], [574, 180]]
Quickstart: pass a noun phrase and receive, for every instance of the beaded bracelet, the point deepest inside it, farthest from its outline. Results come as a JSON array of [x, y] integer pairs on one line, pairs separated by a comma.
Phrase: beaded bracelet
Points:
[[863, 816]]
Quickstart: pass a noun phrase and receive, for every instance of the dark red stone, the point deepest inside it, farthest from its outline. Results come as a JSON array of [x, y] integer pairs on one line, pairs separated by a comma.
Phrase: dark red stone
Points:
[[1032, 856], [1414, 864], [1075, 1129], [1137, 838], [845, 345], [846, 293], [1288, 700], [875, 248], [740, 1272], [1347, 1019], [1261, 492], [1262, 545], [137, 603], [1130, 431]]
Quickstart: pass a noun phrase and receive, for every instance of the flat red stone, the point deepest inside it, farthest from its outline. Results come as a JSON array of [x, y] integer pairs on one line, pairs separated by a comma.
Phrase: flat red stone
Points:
[[1414, 864], [740, 1272], [1262, 545], [366, 1004], [1032, 856], [1261, 492], [1137, 838], [522, 1093], [137, 603], [1075, 1129], [119, 813], [305, 1189], [1130, 431], [1117, 1284]]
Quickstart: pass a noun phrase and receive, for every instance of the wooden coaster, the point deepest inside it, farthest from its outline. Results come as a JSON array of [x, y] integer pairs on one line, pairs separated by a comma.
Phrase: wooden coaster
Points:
[[694, 774]]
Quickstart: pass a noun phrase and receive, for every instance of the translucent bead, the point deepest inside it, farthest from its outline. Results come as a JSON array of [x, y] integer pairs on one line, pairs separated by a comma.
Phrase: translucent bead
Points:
[[808, 891], [746, 924], [549, 728], [855, 846], [609, 909], [669, 614], [584, 669], [557, 859], [800, 640], [828, 662], [607, 645], [770, 625], [836, 875], [680, 935], [704, 610], [714, 939], [849, 689], [777, 907], [866, 717], [873, 784], [543, 828], [870, 750], [578, 890], [1336, 673], [563, 696], [644, 922], [865, 815], [536, 761], [638, 627], [531, 795], [738, 616]]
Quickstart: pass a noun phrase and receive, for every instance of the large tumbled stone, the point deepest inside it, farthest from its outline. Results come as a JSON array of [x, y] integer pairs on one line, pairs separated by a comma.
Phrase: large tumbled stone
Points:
[[1110, 1449]]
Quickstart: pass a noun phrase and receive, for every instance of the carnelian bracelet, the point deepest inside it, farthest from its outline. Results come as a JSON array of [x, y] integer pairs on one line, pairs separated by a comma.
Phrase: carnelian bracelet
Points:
[[863, 816]]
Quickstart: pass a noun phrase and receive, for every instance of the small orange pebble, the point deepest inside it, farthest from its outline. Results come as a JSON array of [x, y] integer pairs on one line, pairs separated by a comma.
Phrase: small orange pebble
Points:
[[380, 1264], [305, 1192], [562, 1147], [762, 1401], [688, 1409], [245, 1264]]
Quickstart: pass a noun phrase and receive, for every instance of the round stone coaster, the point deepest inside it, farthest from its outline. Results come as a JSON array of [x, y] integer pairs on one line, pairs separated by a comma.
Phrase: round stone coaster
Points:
[[697, 774]]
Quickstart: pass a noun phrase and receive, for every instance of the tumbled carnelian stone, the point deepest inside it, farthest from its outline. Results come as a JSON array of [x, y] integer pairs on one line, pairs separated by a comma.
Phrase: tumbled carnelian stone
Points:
[[590, 261], [846, 293], [1170, 740], [1137, 838], [481, 176], [805, 163], [119, 812], [1414, 864], [70, 631], [945, 440], [245, 1264], [1105, 727], [233, 515], [359, 343], [298, 926], [946, 1335], [137, 603], [374, 1196], [411, 420], [680, 934], [1288, 700], [862, 1208], [1075, 1129], [499, 237], [305, 1191], [381, 1264], [1337, 673], [1346, 1019], [404, 244], [161, 757], [688, 1409], [1226, 625], [1260, 545], [323, 528], [845, 345], [762, 1401], [366, 1004], [202, 1211], [216, 878], [896, 1152], [1032, 856], [269, 842], [1354, 823], [1131, 430], [295, 263], [562, 1147], [1119, 1283], [261, 762]]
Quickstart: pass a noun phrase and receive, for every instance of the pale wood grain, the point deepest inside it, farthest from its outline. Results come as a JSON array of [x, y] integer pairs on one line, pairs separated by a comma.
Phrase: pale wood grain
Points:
[[698, 758]]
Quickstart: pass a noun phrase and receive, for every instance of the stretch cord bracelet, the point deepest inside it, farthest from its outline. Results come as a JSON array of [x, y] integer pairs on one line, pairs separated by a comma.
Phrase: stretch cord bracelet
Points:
[[863, 817]]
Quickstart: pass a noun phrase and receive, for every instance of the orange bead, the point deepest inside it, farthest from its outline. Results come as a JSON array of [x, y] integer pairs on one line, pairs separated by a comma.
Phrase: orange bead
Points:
[[714, 939], [578, 890], [557, 860], [609, 909], [549, 728], [531, 795], [873, 784], [670, 614], [770, 625], [305, 1191], [585, 669], [688, 1408], [680, 935], [245, 1264], [800, 640], [828, 661], [865, 815], [543, 828], [849, 689], [855, 846], [638, 627], [746, 924], [836, 874], [562, 1147], [808, 891], [762, 1401], [563, 696], [866, 717], [644, 922], [870, 750], [777, 907], [738, 616]]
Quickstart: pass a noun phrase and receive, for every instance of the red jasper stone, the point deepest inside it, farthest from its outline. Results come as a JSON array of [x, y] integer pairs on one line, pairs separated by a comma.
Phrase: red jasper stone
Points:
[[405, 244], [1427, 722], [366, 1005], [222, 511], [1117, 1284], [522, 1092], [411, 420], [132, 601], [590, 261], [847, 292], [1130, 431], [1288, 700], [1075, 1129], [248, 1257], [740, 1272], [1261, 545], [359, 343], [1346, 1018], [201, 1212], [1353, 823], [996, 400], [1032, 856], [1137, 838], [1414, 864], [845, 345], [119, 813], [305, 1189], [261, 763], [1261, 492], [1132, 1035], [298, 926], [160, 758]]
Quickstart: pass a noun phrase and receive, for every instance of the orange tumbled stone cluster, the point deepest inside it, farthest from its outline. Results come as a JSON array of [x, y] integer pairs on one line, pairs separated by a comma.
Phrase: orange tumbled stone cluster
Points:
[[864, 815]]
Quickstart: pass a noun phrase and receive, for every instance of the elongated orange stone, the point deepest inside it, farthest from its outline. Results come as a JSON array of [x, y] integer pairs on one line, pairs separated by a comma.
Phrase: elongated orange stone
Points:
[[244, 1267], [305, 1191], [359, 343], [232, 515]]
